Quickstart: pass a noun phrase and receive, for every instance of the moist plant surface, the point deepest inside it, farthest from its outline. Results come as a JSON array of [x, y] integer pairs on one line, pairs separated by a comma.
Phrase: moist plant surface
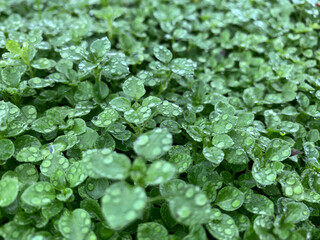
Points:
[[159, 120]]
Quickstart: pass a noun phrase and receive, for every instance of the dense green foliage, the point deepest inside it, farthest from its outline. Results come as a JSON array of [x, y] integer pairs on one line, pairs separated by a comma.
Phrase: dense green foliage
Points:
[[159, 120]]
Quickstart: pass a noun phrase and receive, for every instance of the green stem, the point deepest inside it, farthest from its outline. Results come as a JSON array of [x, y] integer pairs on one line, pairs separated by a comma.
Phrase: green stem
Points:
[[110, 31], [97, 74], [151, 116], [165, 84], [156, 199], [32, 74], [130, 125], [39, 9]]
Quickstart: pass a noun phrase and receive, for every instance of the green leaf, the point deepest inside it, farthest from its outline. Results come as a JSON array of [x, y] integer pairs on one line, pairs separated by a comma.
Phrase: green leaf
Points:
[[133, 87], [100, 47], [9, 189], [38, 194], [13, 47], [222, 141], [196, 232], [76, 174], [278, 150], [162, 54], [122, 204], [95, 188], [295, 212], [189, 205], [236, 156], [151, 102], [151, 230], [180, 158], [183, 67], [172, 126], [13, 231], [159, 172], [291, 186], [213, 154], [116, 68], [153, 144], [107, 164], [44, 125], [230, 198], [169, 109], [6, 149], [27, 174], [223, 229], [138, 116], [259, 204], [266, 174], [64, 142], [120, 104], [52, 163], [43, 63], [75, 225], [29, 154], [224, 108], [11, 76], [223, 123], [105, 118]]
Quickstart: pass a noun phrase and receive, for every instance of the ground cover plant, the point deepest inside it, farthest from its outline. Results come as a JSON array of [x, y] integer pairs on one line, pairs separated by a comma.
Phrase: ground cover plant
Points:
[[159, 120]]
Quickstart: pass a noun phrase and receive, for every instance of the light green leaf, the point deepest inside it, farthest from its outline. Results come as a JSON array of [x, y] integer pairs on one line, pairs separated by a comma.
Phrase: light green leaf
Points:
[[39, 194], [278, 150], [44, 125], [133, 87], [76, 173], [108, 165], [6, 149], [189, 205], [138, 116], [162, 54], [43, 63], [222, 141], [75, 225], [29, 154], [122, 204], [153, 144], [11, 76], [151, 230], [223, 123], [151, 101], [13, 47], [159, 172], [116, 68], [169, 109], [259, 204], [52, 163], [105, 118], [120, 104], [224, 229], [236, 156], [100, 47], [213, 154], [230, 198], [183, 67], [9, 189]]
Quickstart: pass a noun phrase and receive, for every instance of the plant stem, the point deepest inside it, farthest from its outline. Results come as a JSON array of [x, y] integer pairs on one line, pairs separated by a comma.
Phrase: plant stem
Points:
[[130, 125], [30, 70], [110, 31], [151, 116], [165, 84], [39, 9], [156, 199]]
